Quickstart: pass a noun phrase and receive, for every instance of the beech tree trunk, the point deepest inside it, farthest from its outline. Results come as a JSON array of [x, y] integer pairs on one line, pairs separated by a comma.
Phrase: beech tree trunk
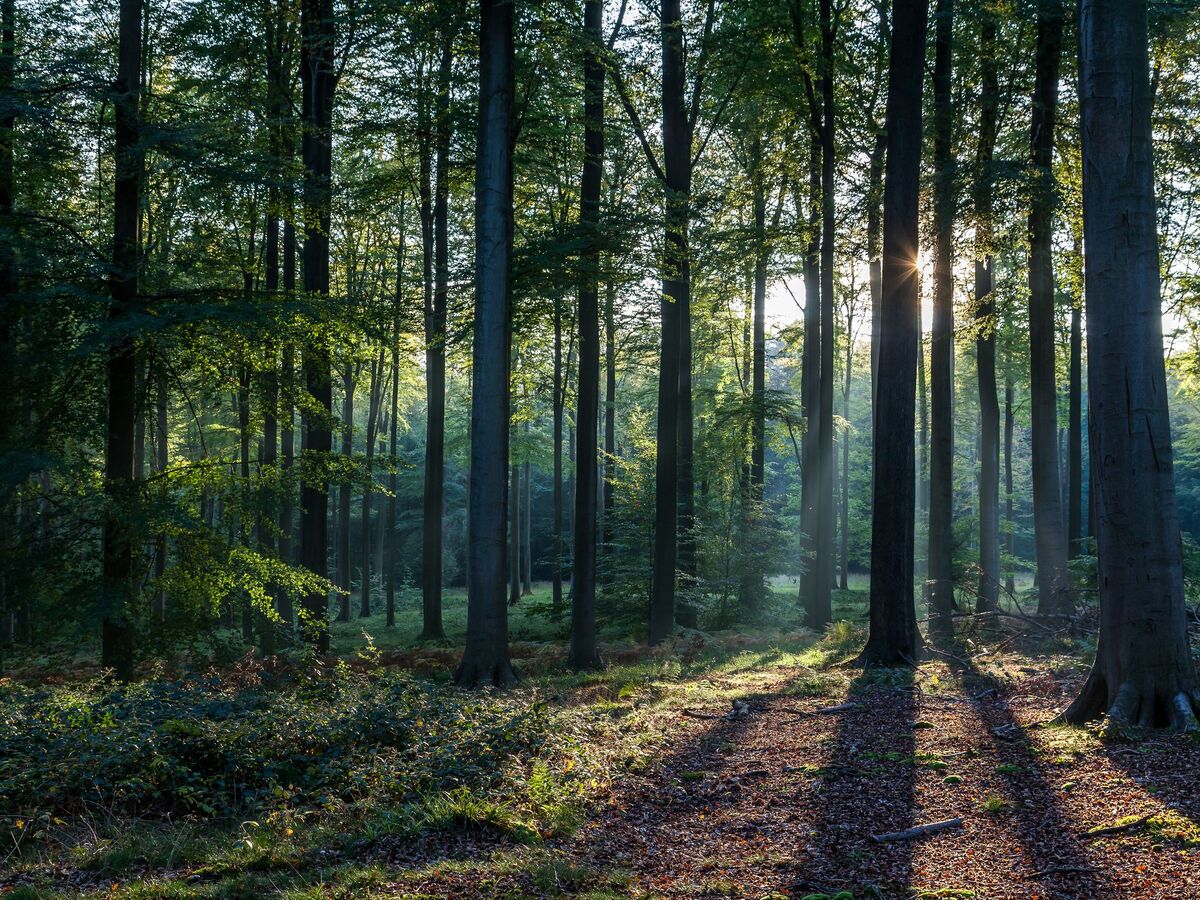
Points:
[[556, 584], [1048, 525], [374, 404], [810, 374], [390, 524], [988, 590], [583, 605], [893, 638], [116, 631], [318, 83], [526, 530], [345, 492], [1143, 673], [940, 578], [1009, 521], [1075, 434], [514, 535], [485, 659]]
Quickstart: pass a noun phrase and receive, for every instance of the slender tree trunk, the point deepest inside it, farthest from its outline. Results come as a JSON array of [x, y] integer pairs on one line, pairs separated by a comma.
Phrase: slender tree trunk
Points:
[[875, 263], [923, 411], [318, 82], [893, 636], [436, 296], [941, 362], [485, 660], [844, 581], [556, 601], [610, 411], [1009, 522], [1143, 674], [162, 460], [390, 525], [514, 535], [116, 632], [345, 493], [583, 653], [1048, 525], [526, 531], [1075, 432], [988, 590], [9, 314], [810, 375], [375, 401], [826, 511]]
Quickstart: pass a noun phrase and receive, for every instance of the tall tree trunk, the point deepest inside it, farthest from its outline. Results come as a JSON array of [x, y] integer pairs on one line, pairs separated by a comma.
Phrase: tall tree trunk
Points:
[[844, 580], [610, 410], [485, 660], [672, 472], [1075, 432], [941, 353], [390, 525], [435, 352], [245, 515], [345, 493], [9, 315], [988, 589], [826, 511], [1048, 525], [161, 462], [556, 585], [922, 411], [514, 535], [526, 530], [375, 402], [318, 82], [116, 631], [583, 606], [1009, 522], [810, 375], [893, 637], [1143, 674]]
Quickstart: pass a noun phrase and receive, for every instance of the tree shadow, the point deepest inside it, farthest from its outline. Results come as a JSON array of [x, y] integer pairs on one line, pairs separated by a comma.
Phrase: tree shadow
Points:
[[866, 787], [1031, 807]]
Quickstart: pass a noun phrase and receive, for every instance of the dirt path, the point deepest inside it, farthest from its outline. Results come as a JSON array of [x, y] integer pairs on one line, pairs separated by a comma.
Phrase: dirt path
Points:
[[780, 804]]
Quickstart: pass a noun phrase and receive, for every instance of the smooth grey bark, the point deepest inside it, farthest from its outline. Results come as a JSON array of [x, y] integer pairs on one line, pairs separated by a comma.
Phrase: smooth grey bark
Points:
[[987, 596], [1143, 673], [318, 82], [1075, 431], [390, 524], [374, 410], [940, 577], [893, 637], [345, 493], [117, 563], [583, 653], [485, 660], [810, 369], [1010, 531], [514, 535], [1048, 525]]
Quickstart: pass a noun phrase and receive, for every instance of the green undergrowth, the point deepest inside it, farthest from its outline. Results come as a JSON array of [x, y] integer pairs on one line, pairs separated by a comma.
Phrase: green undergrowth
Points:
[[236, 787]]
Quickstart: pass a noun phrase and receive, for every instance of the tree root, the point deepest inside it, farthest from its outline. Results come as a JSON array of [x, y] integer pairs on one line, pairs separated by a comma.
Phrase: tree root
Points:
[[1134, 706], [498, 674]]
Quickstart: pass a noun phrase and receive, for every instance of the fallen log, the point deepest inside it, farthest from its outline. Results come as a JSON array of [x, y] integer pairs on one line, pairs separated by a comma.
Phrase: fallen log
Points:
[[918, 831], [1117, 829]]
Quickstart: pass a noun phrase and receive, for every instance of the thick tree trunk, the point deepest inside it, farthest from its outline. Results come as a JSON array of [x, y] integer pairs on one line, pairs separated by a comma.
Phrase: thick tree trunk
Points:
[[810, 377], [1048, 525], [436, 297], [823, 570], [485, 660], [583, 653], [318, 82], [988, 589], [940, 578], [116, 631], [893, 637], [874, 262], [671, 520], [1143, 674]]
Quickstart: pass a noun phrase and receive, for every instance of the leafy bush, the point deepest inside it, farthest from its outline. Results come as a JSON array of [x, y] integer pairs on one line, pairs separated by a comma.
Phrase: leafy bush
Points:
[[204, 747]]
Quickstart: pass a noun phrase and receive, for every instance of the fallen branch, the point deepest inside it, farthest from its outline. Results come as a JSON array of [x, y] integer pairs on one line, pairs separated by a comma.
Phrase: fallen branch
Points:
[[828, 710], [699, 715], [918, 831], [1117, 829]]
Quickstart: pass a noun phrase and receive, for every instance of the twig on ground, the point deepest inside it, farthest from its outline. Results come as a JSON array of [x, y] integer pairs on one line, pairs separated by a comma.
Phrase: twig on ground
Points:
[[1063, 870], [828, 710], [918, 831], [1117, 829]]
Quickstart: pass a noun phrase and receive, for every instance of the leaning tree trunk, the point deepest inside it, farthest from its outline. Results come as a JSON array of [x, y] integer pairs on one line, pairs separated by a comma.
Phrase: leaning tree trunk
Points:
[[318, 81], [116, 631], [893, 637], [485, 659], [583, 605], [1048, 525], [1143, 674], [988, 591], [940, 578]]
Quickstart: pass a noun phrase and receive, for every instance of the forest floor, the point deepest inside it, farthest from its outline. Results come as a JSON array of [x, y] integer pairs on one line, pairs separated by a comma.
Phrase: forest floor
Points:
[[754, 767]]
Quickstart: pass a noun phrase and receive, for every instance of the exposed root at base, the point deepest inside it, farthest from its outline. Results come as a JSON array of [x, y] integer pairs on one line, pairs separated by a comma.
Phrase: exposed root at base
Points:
[[1134, 706]]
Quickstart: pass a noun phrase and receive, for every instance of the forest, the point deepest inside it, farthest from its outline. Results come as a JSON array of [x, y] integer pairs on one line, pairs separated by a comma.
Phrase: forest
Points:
[[599, 448]]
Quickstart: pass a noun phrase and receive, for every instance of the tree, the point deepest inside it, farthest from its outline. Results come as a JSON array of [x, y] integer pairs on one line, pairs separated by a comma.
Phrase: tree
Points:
[[116, 631], [319, 81], [485, 659], [893, 637], [1143, 673], [941, 352], [988, 590], [583, 581], [1049, 533]]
